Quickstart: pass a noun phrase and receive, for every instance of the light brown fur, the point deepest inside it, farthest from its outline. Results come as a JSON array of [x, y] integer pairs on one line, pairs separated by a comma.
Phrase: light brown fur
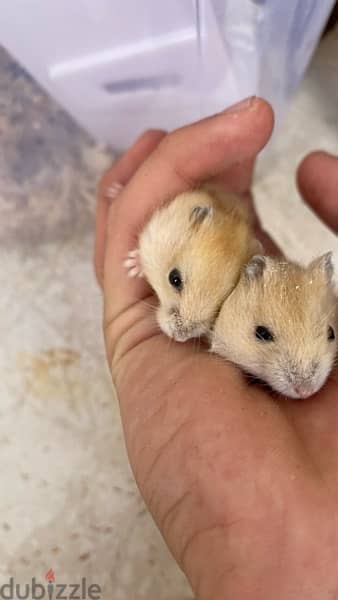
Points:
[[297, 305], [209, 251]]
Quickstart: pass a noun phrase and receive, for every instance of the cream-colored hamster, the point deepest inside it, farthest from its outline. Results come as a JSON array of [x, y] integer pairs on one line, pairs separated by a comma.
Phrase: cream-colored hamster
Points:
[[279, 324], [191, 252]]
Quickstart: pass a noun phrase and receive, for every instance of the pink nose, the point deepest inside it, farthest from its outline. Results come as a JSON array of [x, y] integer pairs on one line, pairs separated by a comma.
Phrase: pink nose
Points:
[[302, 391]]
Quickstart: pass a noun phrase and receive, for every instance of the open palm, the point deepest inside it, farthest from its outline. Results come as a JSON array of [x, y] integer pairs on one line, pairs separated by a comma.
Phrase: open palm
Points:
[[244, 488]]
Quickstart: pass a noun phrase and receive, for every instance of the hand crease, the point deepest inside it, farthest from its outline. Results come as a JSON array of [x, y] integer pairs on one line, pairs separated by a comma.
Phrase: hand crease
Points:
[[201, 532], [189, 182], [145, 338], [109, 321], [163, 448], [173, 508]]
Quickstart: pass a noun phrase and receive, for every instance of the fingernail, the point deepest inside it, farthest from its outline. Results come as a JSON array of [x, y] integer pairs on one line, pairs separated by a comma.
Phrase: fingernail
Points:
[[240, 106]]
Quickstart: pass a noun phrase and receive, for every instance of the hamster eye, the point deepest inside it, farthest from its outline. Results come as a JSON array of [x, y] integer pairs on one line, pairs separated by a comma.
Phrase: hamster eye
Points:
[[175, 279], [331, 334], [264, 334]]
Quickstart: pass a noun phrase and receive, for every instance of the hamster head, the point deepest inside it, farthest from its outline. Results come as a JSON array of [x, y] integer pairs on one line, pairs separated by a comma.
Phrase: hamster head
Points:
[[191, 263], [279, 324]]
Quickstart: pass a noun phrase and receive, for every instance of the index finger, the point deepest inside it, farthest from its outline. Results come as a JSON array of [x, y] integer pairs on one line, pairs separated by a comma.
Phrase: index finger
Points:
[[317, 180], [121, 171], [182, 160]]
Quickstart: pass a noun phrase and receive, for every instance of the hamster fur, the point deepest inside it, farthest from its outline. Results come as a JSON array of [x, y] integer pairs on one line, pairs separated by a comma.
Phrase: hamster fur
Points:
[[279, 324], [191, 252]]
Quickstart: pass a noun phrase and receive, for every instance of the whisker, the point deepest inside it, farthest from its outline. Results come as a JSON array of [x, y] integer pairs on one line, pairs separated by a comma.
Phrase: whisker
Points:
[[169, 341], [197, 343], [151, 307], [222, 360]]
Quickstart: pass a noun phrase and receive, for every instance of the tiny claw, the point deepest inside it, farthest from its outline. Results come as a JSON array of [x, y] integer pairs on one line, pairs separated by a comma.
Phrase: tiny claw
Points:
[[133, 272], [132, 264], [129, 263], [113, 190], [134, 253]]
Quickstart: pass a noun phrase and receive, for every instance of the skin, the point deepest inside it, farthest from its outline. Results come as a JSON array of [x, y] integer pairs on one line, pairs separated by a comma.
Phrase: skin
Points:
[[243, 489]]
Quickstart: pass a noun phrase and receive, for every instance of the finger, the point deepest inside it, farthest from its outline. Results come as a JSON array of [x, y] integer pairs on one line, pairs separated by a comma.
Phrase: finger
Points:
[[120, 172], [238, 178], [268, 244], [317, 180], [181, 161]]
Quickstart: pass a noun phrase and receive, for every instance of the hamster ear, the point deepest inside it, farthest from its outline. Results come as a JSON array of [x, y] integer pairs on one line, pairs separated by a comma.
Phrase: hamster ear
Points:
[[324, 265], [200, 213], [255, 267]]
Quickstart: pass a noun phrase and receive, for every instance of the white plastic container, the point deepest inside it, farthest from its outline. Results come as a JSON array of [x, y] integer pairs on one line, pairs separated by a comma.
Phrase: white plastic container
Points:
[[121, 66]]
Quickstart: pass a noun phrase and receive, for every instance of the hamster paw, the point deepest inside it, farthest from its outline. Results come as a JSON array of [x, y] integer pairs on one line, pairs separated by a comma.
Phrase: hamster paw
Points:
[[113, 190], [133, 264]]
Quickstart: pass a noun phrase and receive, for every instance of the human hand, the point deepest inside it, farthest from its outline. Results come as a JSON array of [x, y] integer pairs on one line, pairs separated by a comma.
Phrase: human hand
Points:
[[243, 489]]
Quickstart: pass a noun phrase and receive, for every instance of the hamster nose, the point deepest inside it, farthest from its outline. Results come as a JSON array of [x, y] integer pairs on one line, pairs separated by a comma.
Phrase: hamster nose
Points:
[[303, 391]]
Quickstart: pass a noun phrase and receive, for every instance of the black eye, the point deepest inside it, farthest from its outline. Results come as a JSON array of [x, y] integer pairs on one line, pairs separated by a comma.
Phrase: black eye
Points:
[[331, 334], [175, 279], [264, 334]]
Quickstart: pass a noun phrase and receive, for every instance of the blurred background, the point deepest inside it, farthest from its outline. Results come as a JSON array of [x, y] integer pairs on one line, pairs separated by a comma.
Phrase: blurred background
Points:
[[68, 498]]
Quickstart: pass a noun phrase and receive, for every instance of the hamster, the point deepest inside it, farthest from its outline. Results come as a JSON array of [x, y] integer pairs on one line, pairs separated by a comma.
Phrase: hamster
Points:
[[279, 324], [192, 252]]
